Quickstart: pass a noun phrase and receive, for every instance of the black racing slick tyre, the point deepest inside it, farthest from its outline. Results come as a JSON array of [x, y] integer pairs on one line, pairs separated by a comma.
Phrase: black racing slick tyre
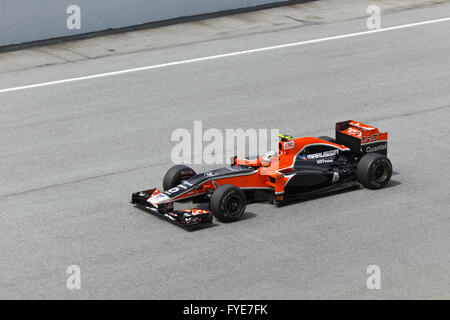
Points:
[[327, 138], [175, 175], [374, 170], [228, 203]]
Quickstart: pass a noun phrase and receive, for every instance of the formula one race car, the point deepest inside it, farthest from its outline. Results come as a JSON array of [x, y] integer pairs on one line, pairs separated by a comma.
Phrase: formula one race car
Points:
[[302, 167]]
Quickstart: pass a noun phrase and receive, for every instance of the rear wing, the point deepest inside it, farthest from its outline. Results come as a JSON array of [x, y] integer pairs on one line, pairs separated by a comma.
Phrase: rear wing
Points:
[[361, 138]]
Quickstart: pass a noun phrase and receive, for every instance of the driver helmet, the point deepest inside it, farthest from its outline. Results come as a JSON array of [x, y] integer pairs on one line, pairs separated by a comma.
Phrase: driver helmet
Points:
[[267, 158]]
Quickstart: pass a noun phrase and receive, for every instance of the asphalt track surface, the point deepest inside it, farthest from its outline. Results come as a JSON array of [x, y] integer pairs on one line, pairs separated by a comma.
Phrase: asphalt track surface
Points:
[[72, 153]]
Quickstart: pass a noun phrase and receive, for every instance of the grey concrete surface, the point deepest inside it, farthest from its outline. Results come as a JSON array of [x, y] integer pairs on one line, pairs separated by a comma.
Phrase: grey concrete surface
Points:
[[71, 154], [46, 19], [230, 26]]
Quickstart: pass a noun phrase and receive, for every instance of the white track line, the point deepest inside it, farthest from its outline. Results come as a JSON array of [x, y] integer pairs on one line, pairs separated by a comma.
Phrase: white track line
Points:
[[157, 66]]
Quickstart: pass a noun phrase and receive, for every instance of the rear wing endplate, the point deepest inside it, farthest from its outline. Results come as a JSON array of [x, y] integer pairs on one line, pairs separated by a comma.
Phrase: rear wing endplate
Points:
[[361, 138]]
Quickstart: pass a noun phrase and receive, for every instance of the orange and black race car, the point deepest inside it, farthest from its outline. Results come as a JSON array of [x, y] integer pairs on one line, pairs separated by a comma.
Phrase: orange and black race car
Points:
[[301, 167]]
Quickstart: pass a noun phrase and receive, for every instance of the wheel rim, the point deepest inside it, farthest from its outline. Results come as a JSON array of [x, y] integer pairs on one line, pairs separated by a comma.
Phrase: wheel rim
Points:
[[381, 173], [233, 205]]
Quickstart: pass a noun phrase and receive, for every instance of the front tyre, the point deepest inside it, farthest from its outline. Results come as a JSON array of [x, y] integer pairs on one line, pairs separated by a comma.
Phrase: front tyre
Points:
[[175, 175], [374, 170], [228, 203]]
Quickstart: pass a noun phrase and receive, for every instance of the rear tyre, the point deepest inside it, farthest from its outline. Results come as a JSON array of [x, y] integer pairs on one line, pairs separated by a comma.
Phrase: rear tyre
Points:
[[327, 138], [374, 170], [228, 203], [175, 175]]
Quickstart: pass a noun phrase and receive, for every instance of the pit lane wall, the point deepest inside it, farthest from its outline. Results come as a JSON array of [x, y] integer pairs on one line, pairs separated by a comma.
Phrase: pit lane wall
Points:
[[31, 20]]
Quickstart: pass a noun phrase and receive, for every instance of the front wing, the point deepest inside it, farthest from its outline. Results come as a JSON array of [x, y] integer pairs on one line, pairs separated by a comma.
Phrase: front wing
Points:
[[190, 218]]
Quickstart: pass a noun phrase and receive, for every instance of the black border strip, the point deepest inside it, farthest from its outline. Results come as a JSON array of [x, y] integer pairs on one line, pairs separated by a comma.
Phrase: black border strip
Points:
[[176, 309]]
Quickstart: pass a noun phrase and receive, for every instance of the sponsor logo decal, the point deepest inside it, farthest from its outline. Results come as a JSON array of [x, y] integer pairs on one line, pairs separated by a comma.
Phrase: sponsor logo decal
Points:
[[157, 198], [289, 145], [197, 212], [181, 187], [354, 131], [323, 154], [321, 161], [371, 138], [377, 148]]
